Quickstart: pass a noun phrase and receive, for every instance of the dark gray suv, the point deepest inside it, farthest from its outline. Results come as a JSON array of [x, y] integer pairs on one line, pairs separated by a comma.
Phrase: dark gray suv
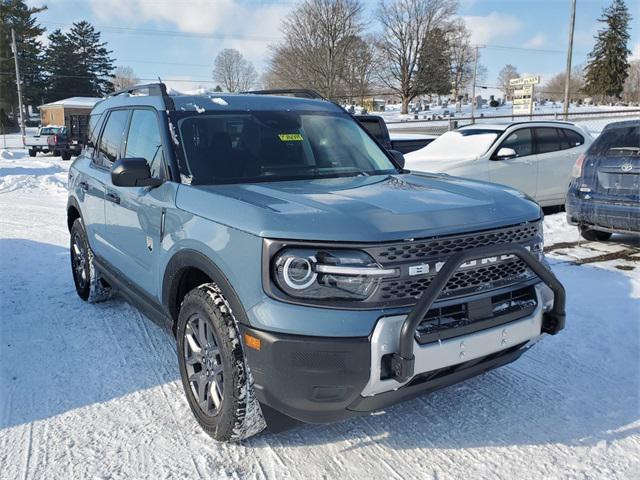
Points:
[[306, 275]]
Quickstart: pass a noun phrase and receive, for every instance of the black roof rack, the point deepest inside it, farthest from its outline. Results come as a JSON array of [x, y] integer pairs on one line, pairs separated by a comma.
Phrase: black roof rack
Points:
[[293, 92], [153, 89]]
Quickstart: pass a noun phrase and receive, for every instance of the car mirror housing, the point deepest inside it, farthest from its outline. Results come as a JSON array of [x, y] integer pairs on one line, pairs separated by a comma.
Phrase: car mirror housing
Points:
[[133, 172], [398, 157], [506, 152]]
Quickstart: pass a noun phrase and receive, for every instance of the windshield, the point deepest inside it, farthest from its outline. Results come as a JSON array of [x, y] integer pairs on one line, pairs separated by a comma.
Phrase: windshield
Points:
[[468, 143], [280, 145]]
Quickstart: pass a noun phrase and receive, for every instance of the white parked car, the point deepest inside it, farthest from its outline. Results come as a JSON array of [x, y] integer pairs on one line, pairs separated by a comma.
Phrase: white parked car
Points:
[[533, 157]]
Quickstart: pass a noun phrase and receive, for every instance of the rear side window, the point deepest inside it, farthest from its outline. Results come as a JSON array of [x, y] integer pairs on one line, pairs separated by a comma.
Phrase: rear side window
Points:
[[144, 140], [112, 137], [520, 141], [573, 138], [549, 140], [620, 141]]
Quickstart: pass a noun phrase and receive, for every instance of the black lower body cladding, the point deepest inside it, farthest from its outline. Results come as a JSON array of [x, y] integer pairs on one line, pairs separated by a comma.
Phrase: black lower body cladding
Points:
[[319, 380]]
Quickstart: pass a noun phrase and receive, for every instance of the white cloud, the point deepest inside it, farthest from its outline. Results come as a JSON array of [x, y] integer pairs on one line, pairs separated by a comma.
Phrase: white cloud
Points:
[[250, 27], [537, 41], [486, 28]]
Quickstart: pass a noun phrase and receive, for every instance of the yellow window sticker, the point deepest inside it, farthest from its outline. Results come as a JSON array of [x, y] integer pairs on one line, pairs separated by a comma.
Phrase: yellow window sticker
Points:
[[290, 137]]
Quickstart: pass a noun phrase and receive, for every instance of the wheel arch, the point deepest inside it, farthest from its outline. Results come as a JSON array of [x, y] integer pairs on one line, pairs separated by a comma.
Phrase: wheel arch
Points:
[[73, 212], [188, 269]]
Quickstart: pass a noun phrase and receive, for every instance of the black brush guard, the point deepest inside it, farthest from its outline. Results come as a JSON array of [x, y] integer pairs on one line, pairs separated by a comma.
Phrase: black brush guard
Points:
[[402, 362]]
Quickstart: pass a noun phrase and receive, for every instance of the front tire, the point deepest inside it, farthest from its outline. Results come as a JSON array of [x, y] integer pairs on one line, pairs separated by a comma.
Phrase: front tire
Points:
[[90, 285], [594, 235], [214, 370]]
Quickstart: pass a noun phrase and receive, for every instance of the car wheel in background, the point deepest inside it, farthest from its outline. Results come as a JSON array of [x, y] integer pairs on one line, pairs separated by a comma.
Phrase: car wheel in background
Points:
[[90, 285], [32, 153], [594, 235], [215, 375], [66, 156]]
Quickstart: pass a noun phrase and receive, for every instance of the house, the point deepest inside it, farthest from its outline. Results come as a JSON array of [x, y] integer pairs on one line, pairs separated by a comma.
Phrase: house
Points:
[[62, 111]]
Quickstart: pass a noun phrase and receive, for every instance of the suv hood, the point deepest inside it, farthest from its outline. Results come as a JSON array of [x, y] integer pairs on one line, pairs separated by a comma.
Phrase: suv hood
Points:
[[359, 209]]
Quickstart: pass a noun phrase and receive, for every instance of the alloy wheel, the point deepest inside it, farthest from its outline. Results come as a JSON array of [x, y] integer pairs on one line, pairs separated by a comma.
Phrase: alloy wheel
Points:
[[79, 261], [203, 363]]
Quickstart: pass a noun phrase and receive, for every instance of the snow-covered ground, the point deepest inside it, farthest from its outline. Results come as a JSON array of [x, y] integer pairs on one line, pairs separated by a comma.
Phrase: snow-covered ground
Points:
[[93, 391]]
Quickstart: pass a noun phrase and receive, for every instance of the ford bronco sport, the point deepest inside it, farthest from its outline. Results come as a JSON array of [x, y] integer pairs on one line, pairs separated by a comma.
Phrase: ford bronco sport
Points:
[[306, 275]]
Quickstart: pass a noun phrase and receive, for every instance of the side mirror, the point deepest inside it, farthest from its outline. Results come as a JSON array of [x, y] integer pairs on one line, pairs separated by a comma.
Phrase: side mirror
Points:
[[505, 152], [133, 172], [398, 157]]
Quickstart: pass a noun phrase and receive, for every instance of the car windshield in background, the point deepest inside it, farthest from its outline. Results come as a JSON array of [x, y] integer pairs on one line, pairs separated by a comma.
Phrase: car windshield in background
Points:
[[272, 146], [618, 141], [461, 144]]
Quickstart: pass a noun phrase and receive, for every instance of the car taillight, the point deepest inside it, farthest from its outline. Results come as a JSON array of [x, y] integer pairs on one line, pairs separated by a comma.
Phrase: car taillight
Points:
[[55, 139], [577, 167]]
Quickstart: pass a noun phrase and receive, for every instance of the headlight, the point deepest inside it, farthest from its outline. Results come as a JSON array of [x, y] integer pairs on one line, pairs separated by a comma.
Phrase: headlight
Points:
[[327, 274]]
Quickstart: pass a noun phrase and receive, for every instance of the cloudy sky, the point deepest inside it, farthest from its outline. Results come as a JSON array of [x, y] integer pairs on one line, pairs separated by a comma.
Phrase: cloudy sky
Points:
[[178, 39]]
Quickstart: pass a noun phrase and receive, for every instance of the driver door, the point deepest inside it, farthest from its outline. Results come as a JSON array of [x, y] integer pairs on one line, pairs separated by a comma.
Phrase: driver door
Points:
[[519, 171]]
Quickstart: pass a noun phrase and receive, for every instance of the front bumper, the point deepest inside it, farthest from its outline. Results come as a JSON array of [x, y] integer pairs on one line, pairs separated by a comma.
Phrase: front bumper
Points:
[[321, 380]]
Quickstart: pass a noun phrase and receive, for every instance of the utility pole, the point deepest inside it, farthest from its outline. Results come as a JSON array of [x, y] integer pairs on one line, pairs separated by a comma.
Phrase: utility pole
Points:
[[567, 78], [14, 49], [473, 89]]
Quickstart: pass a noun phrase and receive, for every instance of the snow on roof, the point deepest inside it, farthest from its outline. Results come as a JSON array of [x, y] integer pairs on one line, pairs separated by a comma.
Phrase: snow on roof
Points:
[[88, 102]]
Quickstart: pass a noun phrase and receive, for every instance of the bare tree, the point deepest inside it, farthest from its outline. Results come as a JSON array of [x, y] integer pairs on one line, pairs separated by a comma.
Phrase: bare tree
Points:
[[124, 77], [460, 58], [357, 76], [318, 36], [406, 26], [631, 90], [507, 73], [233, 71], [554, 88]]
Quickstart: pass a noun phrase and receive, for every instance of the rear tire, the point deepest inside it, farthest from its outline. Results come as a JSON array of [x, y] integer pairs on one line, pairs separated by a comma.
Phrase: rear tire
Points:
[[56, 153], [90, 285], [594, 235], [32, 153], [214, 370], [66, 156]]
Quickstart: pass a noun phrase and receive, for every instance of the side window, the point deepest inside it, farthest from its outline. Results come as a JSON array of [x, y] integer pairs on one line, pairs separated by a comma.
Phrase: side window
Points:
[[112, 137], [94, 129], [548, 140], [573, 137], [144, 141], [520, 141]]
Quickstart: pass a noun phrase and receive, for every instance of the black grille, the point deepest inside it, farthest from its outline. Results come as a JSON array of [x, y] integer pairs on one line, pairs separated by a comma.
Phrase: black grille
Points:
[[421, 249], [493, 276], [405, 289]]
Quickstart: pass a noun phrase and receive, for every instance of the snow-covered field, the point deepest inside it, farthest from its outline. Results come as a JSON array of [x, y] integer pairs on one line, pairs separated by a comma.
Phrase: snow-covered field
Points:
[[93, 391]]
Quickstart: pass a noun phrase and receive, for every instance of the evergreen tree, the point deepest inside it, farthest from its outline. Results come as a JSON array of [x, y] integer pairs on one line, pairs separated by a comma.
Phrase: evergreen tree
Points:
[[78, 64], [608, 66], [65, 77], [94, 57], [17, 15], [434, 62]]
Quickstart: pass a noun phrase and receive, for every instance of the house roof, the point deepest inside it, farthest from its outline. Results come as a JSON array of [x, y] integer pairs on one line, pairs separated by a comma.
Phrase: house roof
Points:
[[78, 102]]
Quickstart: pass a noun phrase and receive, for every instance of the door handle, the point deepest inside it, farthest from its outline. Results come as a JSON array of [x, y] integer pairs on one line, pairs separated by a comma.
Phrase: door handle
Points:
[[112, 197], [83, 186]]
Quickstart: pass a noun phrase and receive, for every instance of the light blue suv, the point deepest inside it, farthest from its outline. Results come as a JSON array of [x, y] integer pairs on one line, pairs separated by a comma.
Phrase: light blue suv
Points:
[[306, 275]]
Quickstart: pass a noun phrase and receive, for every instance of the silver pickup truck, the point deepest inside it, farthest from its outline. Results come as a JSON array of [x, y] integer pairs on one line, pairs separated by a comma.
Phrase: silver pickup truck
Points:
[[40, 141]]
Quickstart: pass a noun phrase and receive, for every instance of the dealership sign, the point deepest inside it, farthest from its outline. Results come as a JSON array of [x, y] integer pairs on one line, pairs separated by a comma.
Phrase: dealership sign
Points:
[[523, 94]]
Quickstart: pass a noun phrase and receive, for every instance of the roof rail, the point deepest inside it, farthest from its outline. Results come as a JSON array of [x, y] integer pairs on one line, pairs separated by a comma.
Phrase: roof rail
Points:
[[294, 92], [155, 89]]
